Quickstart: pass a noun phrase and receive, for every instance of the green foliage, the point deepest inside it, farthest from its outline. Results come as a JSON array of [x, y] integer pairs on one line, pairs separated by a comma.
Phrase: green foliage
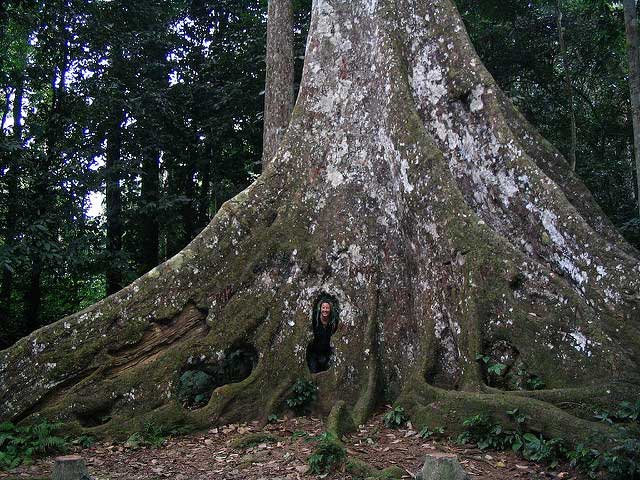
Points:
[[486, 434], [395, 418], [328, 455], [273, 418], [21, 444], [620, 462], [534, 383], [151, 435], [493, 367], [194, 388], [302, 396], [497, 368], [85, 441], [625, 412], [426, 432], [629, 411]]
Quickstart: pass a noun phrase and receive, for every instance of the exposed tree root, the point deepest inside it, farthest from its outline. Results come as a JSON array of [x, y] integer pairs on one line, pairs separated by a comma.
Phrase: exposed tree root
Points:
[[433, 407]]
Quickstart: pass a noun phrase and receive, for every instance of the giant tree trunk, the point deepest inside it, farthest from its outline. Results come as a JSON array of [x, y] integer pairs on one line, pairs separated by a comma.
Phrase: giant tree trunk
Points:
[[410, 190]]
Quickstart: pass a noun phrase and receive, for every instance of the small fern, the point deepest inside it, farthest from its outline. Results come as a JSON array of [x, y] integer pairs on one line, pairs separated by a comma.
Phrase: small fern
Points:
[[20, 444]]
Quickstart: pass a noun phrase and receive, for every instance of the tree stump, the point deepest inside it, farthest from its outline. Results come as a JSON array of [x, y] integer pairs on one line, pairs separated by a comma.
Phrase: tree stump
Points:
[[442, 466], [70, 467]]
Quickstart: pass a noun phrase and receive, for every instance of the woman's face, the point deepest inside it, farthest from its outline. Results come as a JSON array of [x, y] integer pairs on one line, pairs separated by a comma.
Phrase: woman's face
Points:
[[325, 311]]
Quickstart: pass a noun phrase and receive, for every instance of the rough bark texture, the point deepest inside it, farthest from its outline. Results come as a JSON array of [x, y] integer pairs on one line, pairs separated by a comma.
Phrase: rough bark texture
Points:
[[631, 29], [278, 94], [410, 190]]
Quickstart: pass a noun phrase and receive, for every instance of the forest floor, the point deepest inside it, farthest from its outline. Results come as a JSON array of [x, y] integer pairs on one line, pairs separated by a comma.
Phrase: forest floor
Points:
[[216, 455]]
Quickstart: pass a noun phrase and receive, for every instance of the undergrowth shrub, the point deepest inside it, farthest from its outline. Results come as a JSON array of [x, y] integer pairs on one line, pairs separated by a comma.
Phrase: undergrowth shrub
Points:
[[395, 418], [328, 455], [20, 444], [153, 435], [302, 396], [621, 461]]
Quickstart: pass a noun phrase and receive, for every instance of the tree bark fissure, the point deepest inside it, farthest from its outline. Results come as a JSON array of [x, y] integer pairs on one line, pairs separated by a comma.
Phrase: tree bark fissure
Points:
[[409, 190]]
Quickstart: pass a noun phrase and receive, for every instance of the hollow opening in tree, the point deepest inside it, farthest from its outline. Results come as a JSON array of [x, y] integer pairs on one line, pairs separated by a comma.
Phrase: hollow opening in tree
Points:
[[199, 378], [324, 323], [96, 415]]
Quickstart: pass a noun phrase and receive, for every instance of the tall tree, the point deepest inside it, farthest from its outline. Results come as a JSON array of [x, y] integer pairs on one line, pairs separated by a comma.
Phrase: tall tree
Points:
[[438, 222], [11, 219], [568, 85], [631, 28], [278, 94], [113, 195]]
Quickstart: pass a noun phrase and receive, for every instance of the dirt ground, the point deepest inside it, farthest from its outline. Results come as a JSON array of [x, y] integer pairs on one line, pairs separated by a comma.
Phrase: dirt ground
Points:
[[211, 455]]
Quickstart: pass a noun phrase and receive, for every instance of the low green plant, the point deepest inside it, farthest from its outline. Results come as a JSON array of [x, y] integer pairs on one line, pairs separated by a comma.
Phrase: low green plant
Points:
[[486, 434], [85, 441], [426, 432], [273, 418], [625, 412], [534, 383], [480, 430], [395, 418], [620, 462], [328, 455], [629, 411], [20, 444], [302, 396], [151, 435], [495, 368]]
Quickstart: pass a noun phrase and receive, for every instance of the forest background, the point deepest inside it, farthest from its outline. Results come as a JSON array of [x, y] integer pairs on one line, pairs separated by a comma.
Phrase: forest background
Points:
[[126, 125]]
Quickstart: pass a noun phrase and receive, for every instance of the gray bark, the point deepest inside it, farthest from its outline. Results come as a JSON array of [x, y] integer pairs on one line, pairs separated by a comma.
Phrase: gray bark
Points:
[[568, 86], [631, 29], [278, 94]]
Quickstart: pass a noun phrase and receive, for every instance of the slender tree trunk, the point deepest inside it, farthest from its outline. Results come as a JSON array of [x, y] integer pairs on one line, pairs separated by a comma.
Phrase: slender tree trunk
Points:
[[113, 200], [278, 96], [188, 208], [568, 86], [204, 195], [33, 297], [154, 85], [150, 226], [12, 205], [631, 28], [5, 112]]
